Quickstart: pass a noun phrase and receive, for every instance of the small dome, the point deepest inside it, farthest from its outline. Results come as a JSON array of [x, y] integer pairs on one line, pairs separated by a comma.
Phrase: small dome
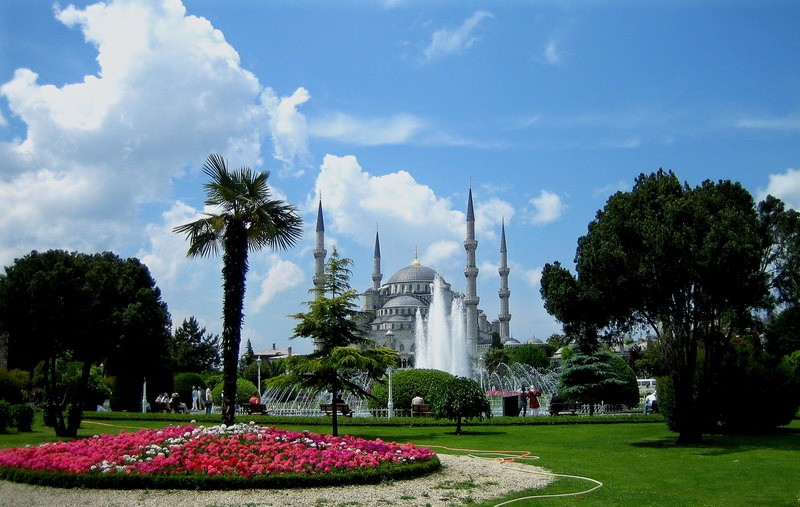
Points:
[[403, 301], [413, 273]]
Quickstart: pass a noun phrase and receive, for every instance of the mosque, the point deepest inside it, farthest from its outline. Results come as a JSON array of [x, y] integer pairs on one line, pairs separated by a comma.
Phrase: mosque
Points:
[[392, 308]]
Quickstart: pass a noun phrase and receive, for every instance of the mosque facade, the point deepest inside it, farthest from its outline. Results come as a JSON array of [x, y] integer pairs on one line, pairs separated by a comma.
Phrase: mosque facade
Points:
[[391, 307]]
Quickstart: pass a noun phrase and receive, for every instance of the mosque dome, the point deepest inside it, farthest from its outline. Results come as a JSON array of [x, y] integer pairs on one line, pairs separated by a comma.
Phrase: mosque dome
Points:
[[403, 301], [413, 274]]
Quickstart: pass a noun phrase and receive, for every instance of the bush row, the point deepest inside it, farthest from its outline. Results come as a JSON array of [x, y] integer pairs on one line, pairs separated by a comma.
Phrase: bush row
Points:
[[19, 416], [376, 475]]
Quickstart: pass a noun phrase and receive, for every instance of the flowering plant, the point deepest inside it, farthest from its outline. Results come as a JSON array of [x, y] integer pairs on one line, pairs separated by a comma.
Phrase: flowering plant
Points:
[[241, 450]]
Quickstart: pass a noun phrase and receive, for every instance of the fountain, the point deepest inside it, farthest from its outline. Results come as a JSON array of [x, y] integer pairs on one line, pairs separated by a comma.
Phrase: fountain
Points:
[[441, 339]]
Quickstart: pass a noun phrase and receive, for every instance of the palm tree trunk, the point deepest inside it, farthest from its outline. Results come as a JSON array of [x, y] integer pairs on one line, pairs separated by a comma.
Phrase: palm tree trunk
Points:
[[234, 272]]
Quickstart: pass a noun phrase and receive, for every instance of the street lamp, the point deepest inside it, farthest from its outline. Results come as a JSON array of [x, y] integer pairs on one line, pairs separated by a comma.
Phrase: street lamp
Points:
[[258, 362]]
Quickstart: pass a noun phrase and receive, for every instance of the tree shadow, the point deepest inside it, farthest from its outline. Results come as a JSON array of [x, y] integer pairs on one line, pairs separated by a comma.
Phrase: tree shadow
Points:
[[783, 439]]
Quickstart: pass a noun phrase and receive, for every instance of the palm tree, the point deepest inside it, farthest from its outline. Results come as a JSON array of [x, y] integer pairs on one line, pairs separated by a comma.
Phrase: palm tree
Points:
[[245, 218]]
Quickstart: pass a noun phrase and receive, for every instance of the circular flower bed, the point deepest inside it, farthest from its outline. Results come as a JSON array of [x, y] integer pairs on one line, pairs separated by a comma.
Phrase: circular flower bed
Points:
[[217, 457]]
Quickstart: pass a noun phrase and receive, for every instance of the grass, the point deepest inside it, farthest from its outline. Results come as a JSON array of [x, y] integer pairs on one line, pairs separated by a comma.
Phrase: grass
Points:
[[638, 464]]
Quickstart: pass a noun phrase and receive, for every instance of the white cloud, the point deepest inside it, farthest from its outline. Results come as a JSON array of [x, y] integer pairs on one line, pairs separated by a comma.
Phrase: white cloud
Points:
[[445, 42], [791, 122], [166, 253], [547, 208], [169, 90], [289, 129], [410, 215], [397, 129], [552, 55], [785, 187], [280, 276], [533, 277]]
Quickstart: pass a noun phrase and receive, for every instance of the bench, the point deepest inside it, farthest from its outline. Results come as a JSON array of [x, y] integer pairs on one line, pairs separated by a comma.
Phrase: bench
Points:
[[557, 408], [342, 408], [420, 410], [256, 408]]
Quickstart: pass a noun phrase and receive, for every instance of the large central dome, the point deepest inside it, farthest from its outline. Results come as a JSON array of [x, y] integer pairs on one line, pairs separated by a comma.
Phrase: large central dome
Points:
[[413, 274]]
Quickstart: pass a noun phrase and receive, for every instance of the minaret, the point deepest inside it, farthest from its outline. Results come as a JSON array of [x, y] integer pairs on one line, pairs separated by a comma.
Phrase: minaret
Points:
[[376, 264], [471, 273], [319, 261], [504, 316]]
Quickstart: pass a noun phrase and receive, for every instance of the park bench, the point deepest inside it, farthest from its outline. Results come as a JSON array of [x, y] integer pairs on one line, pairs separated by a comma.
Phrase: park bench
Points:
[[256, 408], [557, 408], [342, 408], [420, 410]]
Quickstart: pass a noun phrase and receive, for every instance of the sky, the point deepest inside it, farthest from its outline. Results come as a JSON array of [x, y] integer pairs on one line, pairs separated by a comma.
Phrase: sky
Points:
[[390, 111]]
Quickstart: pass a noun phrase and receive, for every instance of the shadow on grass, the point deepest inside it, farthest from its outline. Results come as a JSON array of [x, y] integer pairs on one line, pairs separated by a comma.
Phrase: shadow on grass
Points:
[[783, 439]]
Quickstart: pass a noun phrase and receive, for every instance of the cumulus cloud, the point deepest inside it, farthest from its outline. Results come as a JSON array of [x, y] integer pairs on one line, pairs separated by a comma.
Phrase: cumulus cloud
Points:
[[785, 186], [397, 129], [547, 208], [289, 129], [169, 89], [410, 215], [446, 42], [281, 275]]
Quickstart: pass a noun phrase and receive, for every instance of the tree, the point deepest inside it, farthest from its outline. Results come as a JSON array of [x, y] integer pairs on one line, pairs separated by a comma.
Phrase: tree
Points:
[[684, 262], [333, 322], [91, 309], [246, 218], [531, 355], [460, 399], [495, 357], [600, 376], [193, 349]]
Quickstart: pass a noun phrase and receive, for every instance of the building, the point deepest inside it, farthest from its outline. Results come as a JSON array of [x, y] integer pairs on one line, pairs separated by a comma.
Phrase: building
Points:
[[391, 308]]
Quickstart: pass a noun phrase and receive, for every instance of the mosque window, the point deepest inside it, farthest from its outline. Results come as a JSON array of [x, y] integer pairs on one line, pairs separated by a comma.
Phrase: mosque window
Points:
[[402, 348]]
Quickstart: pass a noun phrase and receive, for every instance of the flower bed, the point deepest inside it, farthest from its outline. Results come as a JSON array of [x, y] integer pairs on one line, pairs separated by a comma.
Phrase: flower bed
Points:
[[217, 457]]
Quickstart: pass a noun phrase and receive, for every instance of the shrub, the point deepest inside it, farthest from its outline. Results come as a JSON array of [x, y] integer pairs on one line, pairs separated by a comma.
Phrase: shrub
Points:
[[22, 417], [184, 383], [244, 390], [406, 384], [12, 383], [600, 376], [5, 415]]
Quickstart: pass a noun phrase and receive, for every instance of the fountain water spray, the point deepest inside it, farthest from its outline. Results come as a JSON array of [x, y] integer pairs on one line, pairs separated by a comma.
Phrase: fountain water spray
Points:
[[441, 339]]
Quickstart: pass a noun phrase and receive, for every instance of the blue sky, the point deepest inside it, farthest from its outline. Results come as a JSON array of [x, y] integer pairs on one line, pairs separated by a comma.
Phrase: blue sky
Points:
[[390, 110]]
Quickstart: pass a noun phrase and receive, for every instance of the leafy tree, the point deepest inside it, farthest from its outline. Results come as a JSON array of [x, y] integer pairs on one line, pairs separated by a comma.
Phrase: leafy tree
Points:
[[685, 262], [495, 357], [193, 349], [406, 384], [333, 322], [600, 376], [530, 354], [13, 384], [460, 399], [184, 382], [496, 341], [248, 359], [781, 258], [246, 218], [85, 308]]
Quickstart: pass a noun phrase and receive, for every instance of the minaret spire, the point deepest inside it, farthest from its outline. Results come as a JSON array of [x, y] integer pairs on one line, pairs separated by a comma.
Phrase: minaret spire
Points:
[[319, 260], [376, 263], [504, 293], [471, 273]]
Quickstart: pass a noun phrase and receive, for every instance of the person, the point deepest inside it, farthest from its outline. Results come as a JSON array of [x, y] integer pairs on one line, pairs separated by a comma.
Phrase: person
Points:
[[522, 404], [533, 396], [195, 398], [208, 400], [417, 400], [255, 400], [650, 403], [177, 405]]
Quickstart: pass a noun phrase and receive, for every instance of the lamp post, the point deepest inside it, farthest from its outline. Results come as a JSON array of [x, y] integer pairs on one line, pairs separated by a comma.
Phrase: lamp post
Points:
[[258, 362], [144, 396], [390, 404]]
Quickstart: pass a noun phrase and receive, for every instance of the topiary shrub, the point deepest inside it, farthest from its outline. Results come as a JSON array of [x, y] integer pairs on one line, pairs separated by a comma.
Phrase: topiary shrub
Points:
[[406, 384], [12, 383], [5, 415], [184, 383], [244, 390], [22, 417]]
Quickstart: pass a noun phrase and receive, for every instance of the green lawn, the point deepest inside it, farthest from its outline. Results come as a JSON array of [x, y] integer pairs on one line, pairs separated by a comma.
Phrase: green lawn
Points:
[[638, 464]]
